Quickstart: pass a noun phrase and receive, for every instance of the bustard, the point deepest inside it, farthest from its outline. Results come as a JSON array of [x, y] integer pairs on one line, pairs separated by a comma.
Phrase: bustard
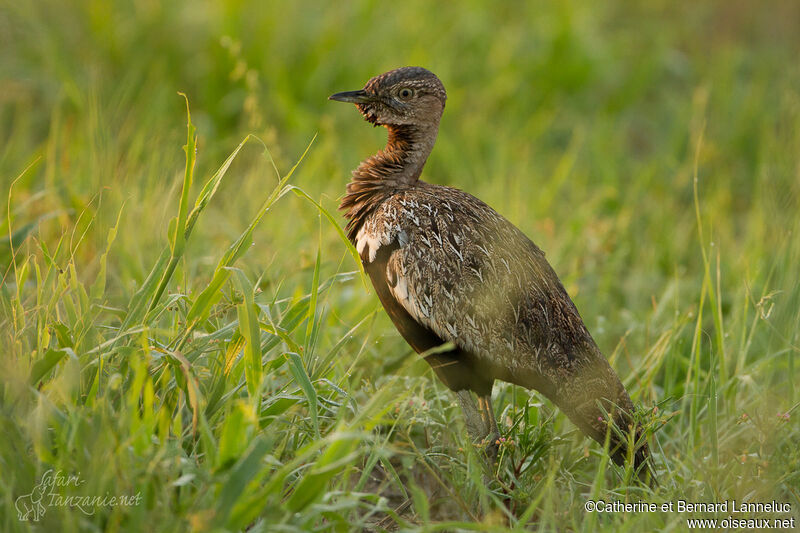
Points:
[[447, 267]]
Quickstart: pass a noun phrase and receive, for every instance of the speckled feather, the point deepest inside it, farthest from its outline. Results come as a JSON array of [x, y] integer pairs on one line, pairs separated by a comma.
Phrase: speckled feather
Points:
[[447, 267], [469, 276]]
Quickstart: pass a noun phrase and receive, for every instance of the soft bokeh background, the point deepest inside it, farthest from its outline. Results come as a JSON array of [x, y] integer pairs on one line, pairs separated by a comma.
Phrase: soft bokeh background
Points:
[[651, 149]]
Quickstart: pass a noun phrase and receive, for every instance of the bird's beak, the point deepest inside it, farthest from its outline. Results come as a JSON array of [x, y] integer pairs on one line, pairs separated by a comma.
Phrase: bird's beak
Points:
[[353, 97]]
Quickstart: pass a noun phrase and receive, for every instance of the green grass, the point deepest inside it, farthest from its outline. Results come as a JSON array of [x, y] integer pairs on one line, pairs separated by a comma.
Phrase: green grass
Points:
[[195, 330]]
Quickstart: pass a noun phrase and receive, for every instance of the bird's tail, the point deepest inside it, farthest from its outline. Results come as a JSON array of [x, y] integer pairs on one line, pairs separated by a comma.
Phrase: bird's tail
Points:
[[600, 406]]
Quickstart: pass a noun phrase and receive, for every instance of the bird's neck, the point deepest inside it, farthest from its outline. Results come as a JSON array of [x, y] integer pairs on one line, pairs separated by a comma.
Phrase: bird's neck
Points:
[[400, 162], [397, 166]]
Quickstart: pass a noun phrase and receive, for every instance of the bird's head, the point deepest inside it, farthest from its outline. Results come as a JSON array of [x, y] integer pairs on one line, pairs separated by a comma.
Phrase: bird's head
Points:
[[404, 96]]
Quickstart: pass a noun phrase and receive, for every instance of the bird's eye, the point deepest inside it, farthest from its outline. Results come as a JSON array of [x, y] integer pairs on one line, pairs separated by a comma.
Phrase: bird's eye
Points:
[[405, 93]]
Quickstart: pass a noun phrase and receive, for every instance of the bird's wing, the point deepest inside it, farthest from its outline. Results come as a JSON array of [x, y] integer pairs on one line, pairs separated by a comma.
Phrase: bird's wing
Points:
[[471, 277], [452, 366]]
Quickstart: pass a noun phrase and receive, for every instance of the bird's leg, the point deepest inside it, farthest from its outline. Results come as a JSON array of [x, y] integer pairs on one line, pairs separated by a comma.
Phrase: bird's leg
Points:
[[490, 425], [480, 421], [472, 416]]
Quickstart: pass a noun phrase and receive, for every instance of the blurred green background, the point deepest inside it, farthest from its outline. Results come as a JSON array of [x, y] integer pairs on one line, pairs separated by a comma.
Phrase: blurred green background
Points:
[[652, 149]]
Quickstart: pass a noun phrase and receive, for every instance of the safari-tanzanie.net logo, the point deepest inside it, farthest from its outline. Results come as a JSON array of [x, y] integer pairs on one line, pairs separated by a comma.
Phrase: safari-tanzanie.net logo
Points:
[[52, 489]]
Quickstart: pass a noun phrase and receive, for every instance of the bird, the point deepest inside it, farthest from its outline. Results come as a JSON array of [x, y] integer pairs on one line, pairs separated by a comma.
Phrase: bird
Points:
[[454, 274]]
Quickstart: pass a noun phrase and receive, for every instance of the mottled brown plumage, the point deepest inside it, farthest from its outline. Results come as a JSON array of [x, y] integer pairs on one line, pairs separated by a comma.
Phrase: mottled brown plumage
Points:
[[447, 267]]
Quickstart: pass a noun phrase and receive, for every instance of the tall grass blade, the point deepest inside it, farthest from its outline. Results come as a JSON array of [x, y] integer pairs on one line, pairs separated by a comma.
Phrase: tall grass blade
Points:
[[248, 327]]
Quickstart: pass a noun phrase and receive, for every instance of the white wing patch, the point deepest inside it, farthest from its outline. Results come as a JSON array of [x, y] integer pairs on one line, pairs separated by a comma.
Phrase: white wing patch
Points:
[[367, 243]]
